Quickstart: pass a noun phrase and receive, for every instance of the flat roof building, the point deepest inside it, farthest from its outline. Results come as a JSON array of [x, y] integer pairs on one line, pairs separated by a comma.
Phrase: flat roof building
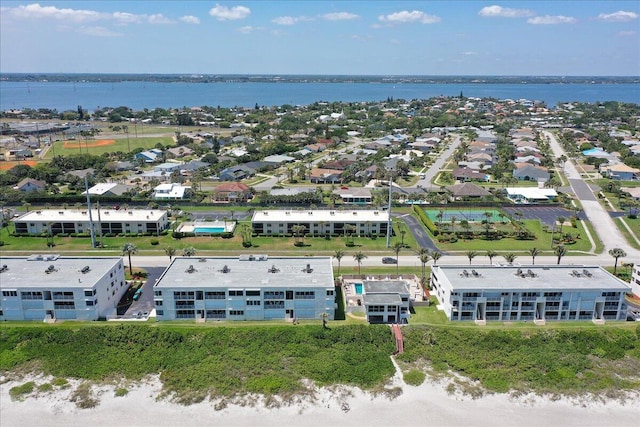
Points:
[[537, 293], [116, 221], [320, 222], [50, 287], [248, 287]]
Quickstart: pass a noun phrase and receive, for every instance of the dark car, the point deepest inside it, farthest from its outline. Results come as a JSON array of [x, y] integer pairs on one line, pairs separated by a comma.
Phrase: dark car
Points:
[[389, 260]]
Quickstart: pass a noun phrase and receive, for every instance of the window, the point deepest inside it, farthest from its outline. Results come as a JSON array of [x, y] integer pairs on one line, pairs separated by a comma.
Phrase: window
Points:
[[329, 293], [63, 295], [216, 314], [158, 302], [9, 293], [376, 309], [160, 312], [273, 305], [157, 293], [88, 293], [31, 295], [305, 295], [251, 302], [89, 303], [215, 295], [273, 295], [289, 294], [64, 305], [184, 295], [236, 312], [236, 293], [253, 293]]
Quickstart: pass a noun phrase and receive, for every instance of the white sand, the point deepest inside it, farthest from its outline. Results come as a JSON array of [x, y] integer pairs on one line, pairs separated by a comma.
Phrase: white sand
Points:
[[427, 405]]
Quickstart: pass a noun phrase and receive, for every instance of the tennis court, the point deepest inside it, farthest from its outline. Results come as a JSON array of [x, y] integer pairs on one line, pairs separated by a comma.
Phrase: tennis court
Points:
[[471, 215]]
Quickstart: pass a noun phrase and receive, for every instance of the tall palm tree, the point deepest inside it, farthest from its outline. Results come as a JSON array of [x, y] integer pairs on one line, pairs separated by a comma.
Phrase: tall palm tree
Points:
[[436, 255], [617, 253], [453, 223], [189, 251], [298, 230], [534, 252], [491, 254], [510, 257], [359, 257], [170, 252], [424, 255], [397, 247], [129, 249], [561, 221], [560, 251], [338, 254], [471, 255]]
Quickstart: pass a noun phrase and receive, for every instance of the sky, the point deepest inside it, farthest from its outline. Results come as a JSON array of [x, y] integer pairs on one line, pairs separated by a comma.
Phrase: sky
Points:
[[455, 37]]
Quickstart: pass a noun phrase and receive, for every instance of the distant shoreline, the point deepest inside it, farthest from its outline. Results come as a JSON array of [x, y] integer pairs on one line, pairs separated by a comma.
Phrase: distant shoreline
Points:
[[291, 78]]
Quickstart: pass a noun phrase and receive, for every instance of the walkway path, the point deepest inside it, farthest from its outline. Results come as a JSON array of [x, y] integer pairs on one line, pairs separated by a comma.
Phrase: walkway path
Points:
[[604, 225], [397, 333]]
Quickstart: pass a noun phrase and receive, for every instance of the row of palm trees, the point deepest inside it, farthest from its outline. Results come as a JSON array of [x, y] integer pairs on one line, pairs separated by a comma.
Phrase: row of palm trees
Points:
[[131, 249], [559, 251]]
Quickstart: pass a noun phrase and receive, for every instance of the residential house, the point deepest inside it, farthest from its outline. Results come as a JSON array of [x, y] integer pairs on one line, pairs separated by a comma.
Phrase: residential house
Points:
[[168, 168], [232, 192], [150, 156], [529, 172], [108, 189], [467, 190], [236, 173], [29, 185], [179, 152], [524, 195], [467, 174], [354, 195], [620, 172], [325, 176], [171, 191]]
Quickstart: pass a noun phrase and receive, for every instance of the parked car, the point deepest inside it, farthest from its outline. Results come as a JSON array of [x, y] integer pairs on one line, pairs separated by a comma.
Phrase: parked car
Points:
[[389, 260]]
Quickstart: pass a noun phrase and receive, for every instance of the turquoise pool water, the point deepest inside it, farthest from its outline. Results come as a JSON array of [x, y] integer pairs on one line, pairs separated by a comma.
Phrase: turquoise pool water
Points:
[[210, 230], [358, 288]]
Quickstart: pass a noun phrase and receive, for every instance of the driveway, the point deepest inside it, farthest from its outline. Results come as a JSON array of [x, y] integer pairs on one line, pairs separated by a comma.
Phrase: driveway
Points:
[[145, 302], [434, 169], [421, 236]]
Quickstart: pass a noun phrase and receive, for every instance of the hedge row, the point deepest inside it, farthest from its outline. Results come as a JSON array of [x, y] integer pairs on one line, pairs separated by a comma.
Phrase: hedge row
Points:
[[425, 220]]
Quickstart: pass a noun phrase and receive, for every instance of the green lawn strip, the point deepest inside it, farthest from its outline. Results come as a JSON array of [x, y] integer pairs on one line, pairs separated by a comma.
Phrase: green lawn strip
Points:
[[595, 237], [632, 223], [119, 145], [196, 362], [542, 241], [552, 360]]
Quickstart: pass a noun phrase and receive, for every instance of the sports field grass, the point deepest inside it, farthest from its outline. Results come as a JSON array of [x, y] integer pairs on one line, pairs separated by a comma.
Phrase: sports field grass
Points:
[[100, 146]]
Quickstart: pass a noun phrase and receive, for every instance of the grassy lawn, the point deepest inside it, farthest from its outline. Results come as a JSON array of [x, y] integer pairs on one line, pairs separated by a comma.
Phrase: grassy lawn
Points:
[[594, 235], [542, 241], [634, 224], [65, 148]]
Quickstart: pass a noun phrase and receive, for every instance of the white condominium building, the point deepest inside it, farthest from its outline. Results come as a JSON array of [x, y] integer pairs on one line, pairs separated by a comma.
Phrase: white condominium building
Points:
[[49, 287], [249, 287], [538, 293]]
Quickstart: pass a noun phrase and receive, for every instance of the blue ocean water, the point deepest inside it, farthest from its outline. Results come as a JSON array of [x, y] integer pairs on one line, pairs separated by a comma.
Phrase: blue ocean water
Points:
[[138, 95]]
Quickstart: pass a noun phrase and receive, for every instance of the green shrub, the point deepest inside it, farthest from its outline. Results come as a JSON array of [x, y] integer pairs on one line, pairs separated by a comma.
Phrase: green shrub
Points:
[[154, 242], [46, 387], [1, 242], [63, 234], [414, 377], [19, 391], [60, 382], [121, 392], [226, 235], [425, 220]]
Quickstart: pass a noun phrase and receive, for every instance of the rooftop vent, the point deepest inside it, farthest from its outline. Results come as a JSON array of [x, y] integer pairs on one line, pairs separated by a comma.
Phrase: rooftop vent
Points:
[[530, 273], [273, 269], [576, 273], [85, 269], [4, 268], [202, 260], [50, 269], [587, 273], [225, 269], [39, 212], [61, 212], [332, 213], [465, 273], [130, 212], [191, 269], [475, 273], [308, 269]]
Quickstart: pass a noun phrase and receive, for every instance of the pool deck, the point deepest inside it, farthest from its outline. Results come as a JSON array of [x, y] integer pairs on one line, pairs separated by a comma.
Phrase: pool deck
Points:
[[189, 227], [352, 297]]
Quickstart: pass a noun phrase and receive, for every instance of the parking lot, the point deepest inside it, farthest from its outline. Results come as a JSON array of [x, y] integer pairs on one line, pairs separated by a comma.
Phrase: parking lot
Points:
[[145, 303], [546, 215]]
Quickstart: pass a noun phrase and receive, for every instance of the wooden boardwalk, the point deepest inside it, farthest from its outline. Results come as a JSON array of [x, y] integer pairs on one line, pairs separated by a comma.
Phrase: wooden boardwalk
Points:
[[397, 333]]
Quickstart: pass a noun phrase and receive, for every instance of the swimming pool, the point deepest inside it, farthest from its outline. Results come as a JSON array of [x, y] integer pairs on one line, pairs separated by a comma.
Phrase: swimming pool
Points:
[[358, 287], [208, 230]]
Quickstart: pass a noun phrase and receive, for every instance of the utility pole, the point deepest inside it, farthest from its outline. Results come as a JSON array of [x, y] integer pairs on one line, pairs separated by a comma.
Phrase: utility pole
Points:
[[100, 225], [91, 230], [389, 229]]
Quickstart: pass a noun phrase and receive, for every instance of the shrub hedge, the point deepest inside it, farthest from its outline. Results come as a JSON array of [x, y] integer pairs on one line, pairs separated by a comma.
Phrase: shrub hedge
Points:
[[425, 220]]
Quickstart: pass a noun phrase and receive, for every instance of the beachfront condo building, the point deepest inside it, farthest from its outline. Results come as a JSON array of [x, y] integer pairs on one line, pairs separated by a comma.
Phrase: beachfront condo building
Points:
[[50, 287], [531, 293], [320, 222], [248, 287], [118, 221]]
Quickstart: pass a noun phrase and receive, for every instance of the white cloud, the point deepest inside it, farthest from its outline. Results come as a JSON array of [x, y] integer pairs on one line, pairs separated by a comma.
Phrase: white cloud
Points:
[[550, 20], [98, 32], [127, 18], [290, 20], [504, 12], [35, 11], [469, 53], [189, 19], [339, 16], [223, 13], [248, 29], [159, 19], [406, 16], [619, 16], [627, 33]]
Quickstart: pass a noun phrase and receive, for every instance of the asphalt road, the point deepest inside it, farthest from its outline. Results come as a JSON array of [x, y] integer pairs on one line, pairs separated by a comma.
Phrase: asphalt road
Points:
[[145, 302]]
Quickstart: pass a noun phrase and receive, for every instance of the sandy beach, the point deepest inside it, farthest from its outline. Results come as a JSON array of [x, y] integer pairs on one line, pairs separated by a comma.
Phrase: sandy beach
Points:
[[429, 404]]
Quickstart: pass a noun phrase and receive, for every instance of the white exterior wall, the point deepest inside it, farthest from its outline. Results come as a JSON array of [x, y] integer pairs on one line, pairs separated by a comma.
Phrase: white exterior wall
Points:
[[635, 280]]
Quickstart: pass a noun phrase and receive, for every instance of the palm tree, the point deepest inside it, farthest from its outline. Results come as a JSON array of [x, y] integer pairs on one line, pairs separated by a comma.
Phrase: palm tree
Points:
[[453, 222], [561, 220], [424, 255], [471, 255], [129, 249], [466, 226], [338, 254], [436, 255], [397, 247], [491, 254], [617, 253], [402, 233], [510, 257], [534, 252], [298, 230], [170, 252], [359, 257], [324, 316], [189, 251], [560, 251]]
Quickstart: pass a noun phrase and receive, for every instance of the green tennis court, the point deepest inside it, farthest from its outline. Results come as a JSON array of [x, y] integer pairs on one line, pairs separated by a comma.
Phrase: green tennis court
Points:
[[471, 215]]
